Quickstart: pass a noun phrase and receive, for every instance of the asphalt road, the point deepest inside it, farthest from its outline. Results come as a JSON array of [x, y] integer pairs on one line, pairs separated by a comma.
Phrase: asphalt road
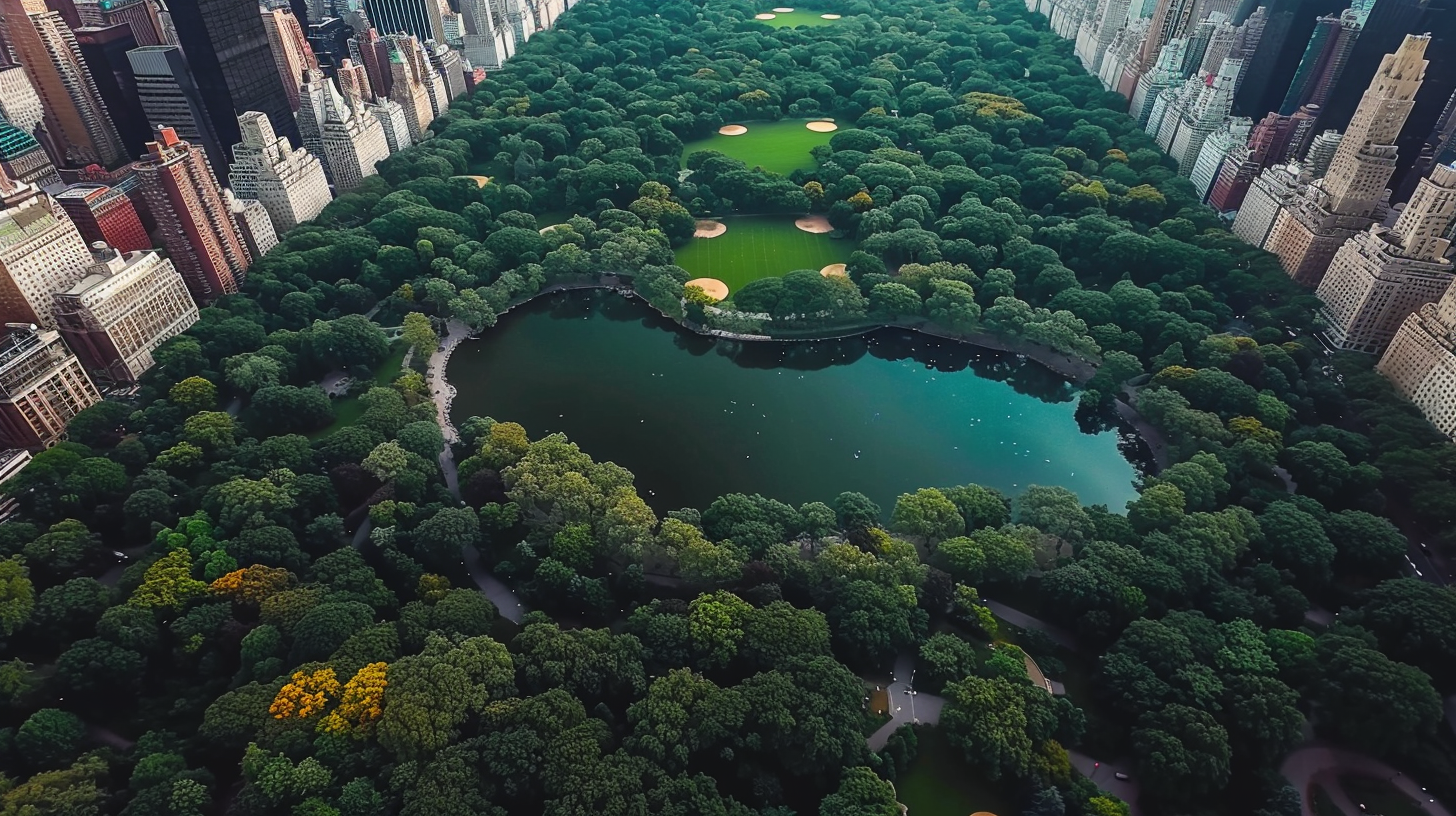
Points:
[[904, 706]]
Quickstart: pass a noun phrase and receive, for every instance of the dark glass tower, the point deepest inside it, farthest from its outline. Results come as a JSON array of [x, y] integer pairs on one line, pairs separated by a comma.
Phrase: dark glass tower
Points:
[[1385, 28], [1275, 61], [232, 62]]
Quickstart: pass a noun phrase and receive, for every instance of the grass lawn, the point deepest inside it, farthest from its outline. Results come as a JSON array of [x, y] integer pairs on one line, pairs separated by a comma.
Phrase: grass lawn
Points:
[[489, 168], [552, 218], [1379, 796], [940, 783], [760, 246], [780, 147], [347, 410], [798, 17]]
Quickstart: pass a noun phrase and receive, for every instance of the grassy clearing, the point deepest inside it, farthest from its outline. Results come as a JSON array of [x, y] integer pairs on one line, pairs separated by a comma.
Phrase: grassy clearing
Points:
[[779, 147], [940, 783], [552, 218], [1379, 796], [798, 17], [347, 410], [760, 246]]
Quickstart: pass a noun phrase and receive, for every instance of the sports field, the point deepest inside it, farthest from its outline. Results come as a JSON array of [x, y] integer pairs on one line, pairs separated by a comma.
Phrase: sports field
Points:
[[760, 246], [798, 17], [780, 147]]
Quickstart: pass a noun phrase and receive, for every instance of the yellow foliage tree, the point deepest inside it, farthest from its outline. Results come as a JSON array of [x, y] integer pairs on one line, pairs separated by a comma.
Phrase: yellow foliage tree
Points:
[[432, 587], [305, 695], [168, 583], [362, 703], [252, 585]]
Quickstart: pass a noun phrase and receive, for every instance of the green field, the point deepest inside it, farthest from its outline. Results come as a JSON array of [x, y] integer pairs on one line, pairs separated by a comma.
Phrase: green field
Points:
[[347, 410], [940, 783], [779, 147], [760, 246], [799, 17]]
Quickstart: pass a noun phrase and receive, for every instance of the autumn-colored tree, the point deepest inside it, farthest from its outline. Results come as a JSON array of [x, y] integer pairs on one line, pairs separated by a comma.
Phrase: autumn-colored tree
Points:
[[361, 705], [194, 394], [861, 201], [251, 585], [168, 583], [432, 587], [305, 695]]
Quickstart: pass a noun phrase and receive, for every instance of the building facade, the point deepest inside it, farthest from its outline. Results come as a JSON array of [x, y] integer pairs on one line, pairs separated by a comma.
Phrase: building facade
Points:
[[170, 97], [292, 55], [41, 253], [126, 306], [75, 116], [42, 385], [193, 221], [23, 158], [1421, 361], [289, 181], [104, 214], [252, 223]]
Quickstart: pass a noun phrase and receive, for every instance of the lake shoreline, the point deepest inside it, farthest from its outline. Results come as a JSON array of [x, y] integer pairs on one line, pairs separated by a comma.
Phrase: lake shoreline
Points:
[[1076, 372]]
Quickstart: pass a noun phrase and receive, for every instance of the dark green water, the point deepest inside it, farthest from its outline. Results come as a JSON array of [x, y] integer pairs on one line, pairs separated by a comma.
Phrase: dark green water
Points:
[[694, 417]]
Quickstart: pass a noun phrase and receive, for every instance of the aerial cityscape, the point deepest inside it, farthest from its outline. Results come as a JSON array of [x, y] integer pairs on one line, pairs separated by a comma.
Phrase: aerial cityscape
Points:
[[720, 408]]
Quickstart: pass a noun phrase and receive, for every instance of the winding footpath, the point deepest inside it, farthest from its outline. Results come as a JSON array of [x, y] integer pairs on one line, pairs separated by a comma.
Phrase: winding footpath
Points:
[[1323, 764]]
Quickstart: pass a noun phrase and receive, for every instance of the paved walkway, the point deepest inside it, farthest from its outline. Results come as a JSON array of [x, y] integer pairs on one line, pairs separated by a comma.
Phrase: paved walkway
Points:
[[1323, 763], [1016, 617], [505, 600], [1103, 774], [904, 706], [440, 388]]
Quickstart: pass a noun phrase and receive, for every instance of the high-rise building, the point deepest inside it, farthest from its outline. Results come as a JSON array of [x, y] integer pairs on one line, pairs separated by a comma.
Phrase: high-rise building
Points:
[[252, 222], [229, 55], [40, 253], [396, 125], [1165, 75], [42, 385], [371, 51], [1286, 31], [193, 221], [23, 159], [19, 103], [124, 307], [104, 50], [488, 41], [289, 181], [139, 15], [1230, 136], [412, 83], [1352, 195], [340, 131], [1379, 276], [329, 39], [76, 117], [1324, 61], [1203, 116], [1121, 55], [104, 214], [292, 54], [451, 71], [354, 82], [1264, 200], [170, 98], [418, 18], [1321, 152]]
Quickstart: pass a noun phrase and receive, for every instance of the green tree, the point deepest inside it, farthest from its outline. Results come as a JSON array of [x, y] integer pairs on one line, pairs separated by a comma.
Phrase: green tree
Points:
[[928, 514], [861, 793], [194, 394], [420, 335], [50, 738], [17, 595]]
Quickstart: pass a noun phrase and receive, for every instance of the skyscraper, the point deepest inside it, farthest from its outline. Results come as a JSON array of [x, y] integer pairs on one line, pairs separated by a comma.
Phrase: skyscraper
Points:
[[124, 307], [291, 52], [1272, 66], [42, 385], [396, 125], [104, 50], [75, 115], [104, 214], [339, 130], [1352, 195], [1324, 60], [23, 159], [1379, 276], [420, 18], [289, 181], [170, 98], [139, 15], [193, 221], [228, 52], [488, 41], [40, 253], [1321, 153], [411, 83], [19, 103]]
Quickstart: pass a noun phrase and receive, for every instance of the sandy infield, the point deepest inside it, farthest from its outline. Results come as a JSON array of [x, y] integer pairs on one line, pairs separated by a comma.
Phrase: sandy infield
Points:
[[716, 289], [833, 270], [709, 229], [829, 16], [816, 224], [764, 16], [822, 127], [732, 130], [479, 180], [783, 10]]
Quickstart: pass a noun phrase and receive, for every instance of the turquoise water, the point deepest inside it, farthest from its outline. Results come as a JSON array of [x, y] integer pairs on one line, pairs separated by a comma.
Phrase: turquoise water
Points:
[[693, 417]]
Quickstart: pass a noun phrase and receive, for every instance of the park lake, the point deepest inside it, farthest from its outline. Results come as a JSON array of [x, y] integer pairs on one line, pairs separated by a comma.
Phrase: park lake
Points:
[[695, 417]]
